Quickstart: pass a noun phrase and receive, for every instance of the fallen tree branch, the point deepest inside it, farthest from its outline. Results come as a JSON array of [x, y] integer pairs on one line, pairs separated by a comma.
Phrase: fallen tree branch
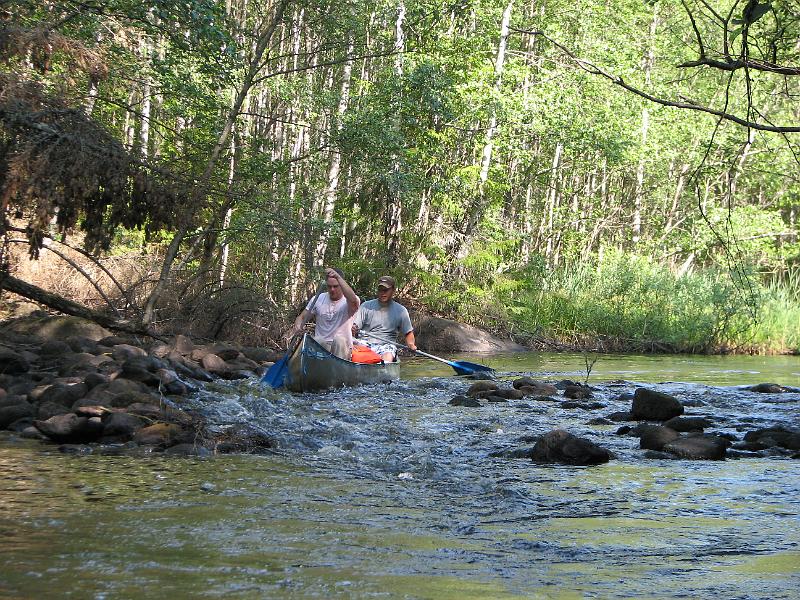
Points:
[[56, 302]]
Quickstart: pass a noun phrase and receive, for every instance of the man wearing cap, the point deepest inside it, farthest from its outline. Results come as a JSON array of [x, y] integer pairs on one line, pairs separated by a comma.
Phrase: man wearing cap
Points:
[[379, 321], [333, 312]]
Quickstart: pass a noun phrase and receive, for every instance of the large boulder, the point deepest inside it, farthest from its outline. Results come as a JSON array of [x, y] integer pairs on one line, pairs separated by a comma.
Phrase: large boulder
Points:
[[70, 428], [58, 327], [443, 335], [9, 414], [649, 405], [687, 424], [13, 363], [699, 447], [654, 437], [63, 393], [560, 446], [782, 437]]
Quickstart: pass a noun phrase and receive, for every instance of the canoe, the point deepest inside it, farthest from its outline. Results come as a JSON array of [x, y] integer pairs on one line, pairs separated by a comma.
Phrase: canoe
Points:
[[312, 368]]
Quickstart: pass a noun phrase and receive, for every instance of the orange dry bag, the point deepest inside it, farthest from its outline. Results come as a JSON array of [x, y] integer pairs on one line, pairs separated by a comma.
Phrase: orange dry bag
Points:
[[363, 354]]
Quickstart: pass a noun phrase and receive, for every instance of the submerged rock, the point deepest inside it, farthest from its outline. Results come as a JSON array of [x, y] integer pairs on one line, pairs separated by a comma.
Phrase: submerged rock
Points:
[[187, 450], [771, 388], [461, 400]]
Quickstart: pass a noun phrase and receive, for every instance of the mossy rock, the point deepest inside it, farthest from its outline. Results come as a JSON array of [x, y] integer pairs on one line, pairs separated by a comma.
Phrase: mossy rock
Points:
[[56, 328]]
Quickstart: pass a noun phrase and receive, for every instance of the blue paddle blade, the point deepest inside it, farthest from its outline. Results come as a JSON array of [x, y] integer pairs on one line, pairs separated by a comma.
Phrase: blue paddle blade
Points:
[[463, 367], [276, 375]]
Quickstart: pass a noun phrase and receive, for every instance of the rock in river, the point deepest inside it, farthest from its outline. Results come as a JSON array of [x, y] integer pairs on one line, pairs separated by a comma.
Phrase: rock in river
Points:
[[649, 405], [699, 447], [560, 446]]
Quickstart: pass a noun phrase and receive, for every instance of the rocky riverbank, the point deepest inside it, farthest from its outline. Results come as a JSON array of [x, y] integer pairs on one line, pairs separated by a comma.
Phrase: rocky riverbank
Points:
[[74, 383], [71, 382]]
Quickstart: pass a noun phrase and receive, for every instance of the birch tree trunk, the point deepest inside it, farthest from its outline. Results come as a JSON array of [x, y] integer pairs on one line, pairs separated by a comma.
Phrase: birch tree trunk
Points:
[[649, 60], [478, 207], [394, 207], [254, 67], [335, 165]]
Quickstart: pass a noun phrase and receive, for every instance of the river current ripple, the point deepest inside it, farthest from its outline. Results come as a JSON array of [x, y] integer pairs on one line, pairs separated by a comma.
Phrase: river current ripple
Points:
[[389, 492], [403, 444]]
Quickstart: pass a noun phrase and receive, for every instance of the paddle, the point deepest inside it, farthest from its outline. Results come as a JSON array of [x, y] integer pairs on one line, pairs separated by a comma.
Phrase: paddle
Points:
[[276, 375], [461, 367]]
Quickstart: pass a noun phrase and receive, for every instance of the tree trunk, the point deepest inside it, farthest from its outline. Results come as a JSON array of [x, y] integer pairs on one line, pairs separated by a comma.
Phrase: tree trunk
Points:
[[394, 206], [478, 208], [648, 61], [254, 66], [56, 302], [334, 167]]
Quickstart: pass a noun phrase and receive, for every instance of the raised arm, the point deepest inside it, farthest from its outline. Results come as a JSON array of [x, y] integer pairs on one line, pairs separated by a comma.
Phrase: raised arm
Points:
[[353, 301]]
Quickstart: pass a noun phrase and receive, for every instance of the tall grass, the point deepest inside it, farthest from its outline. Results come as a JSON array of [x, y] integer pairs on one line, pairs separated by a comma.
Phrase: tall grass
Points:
[[630, 303]]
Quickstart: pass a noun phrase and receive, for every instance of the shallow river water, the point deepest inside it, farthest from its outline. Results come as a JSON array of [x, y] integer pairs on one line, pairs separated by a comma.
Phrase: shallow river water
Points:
[[389, 492]]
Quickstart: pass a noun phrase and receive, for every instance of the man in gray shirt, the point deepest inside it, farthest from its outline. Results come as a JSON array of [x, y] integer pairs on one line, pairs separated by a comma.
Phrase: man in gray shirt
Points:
[[379, 321]]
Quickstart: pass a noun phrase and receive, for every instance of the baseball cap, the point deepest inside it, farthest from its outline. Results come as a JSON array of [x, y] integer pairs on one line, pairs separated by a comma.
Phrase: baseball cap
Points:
[[386, 281]]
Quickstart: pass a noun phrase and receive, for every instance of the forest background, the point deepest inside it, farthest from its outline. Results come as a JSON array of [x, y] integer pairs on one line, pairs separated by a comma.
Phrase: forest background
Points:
[[617, 174]]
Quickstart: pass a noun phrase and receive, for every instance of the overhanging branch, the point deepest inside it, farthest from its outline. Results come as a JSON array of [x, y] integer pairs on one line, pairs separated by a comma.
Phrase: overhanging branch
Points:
[[593, 69]]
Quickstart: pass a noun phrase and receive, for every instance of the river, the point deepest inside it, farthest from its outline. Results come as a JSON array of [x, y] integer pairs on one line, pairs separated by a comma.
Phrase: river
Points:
[[389, 492]]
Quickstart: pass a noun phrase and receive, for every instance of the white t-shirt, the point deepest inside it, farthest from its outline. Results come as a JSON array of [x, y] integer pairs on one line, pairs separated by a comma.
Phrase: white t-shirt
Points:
[[333, 318]]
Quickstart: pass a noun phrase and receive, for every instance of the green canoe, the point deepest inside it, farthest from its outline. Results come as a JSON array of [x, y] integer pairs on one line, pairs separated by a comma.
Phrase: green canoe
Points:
[[313, 368]]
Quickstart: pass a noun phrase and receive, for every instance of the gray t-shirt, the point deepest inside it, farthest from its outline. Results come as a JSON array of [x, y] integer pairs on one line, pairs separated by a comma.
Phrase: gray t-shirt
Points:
[[384, 321]]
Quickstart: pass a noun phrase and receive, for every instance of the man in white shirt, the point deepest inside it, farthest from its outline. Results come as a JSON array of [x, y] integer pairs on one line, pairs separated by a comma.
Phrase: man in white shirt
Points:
[[333, 312], [380, 320]]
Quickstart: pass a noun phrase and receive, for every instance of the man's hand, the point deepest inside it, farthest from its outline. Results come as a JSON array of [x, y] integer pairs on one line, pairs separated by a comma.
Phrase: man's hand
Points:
[[354, 329], [329, 272], [412, 346]]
